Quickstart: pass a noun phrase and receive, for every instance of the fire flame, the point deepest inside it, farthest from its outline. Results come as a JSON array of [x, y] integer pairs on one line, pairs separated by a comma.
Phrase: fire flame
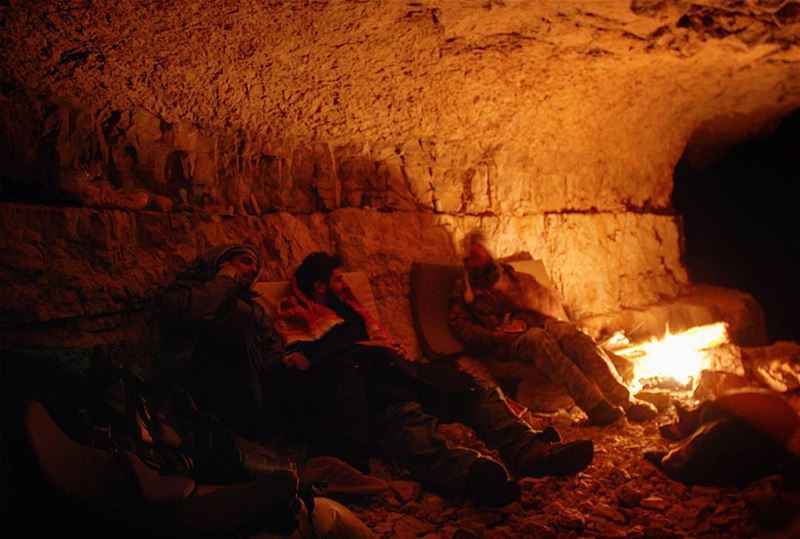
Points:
[[675, 355]]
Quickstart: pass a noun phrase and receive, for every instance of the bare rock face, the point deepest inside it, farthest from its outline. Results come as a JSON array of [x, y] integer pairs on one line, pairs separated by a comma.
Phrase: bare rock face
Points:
[[386, 131], [699, 305], [504, 108], [72, 262]]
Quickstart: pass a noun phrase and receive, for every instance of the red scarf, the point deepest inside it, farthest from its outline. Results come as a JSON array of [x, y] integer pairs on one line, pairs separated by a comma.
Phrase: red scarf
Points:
[[301, 319]]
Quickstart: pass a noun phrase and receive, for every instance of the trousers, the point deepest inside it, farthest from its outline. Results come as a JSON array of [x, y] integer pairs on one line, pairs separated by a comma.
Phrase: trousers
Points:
[[573, 361]]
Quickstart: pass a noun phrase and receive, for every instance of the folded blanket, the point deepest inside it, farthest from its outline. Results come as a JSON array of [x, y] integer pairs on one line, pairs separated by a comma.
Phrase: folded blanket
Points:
[[300, 319]]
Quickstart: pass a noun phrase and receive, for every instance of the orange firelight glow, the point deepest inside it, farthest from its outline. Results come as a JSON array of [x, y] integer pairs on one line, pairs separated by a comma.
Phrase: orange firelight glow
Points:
[[680, 356]]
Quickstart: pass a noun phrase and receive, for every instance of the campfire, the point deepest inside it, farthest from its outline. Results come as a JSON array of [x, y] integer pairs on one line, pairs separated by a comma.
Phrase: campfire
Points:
[[674, 360]]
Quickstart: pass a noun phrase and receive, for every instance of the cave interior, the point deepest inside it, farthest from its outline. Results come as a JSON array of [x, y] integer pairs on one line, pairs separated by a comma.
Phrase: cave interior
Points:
[[646, 152]]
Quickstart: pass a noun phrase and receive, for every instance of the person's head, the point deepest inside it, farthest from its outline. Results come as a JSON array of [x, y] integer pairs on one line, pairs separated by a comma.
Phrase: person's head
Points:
[[476, 253], [244, 259], [320, 277]]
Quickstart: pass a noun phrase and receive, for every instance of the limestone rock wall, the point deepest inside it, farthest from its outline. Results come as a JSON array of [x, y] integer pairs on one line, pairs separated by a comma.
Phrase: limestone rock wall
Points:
[[334, 124], [72, 263]]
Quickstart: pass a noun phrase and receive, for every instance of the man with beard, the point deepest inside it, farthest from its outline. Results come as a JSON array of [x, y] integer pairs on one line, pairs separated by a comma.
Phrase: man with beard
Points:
[[499, 313], [215, 340], [356, 389]]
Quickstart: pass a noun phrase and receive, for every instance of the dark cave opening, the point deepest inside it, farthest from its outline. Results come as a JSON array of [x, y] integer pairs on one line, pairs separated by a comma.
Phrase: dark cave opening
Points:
[[741, 221]]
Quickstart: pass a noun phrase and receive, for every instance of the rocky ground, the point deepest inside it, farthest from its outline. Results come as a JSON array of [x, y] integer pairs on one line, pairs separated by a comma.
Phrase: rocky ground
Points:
[[618, 495]]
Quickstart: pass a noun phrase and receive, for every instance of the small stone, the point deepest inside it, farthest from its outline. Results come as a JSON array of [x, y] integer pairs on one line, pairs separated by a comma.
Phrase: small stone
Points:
[[553, 508], [659, 527], [533, 527], [685, 518], [382, 528], [412, 508], [447, 513], [406, 490], [701, 502], [618, 475], [431, 506], [482, 519], [628, 496], [502, 532], [393, 502], [409, 526], [609, 513], [655, 503], [703, 527], [723, 520], [513, 509], [657, 532], [610, 531], [463, 533], [636, 532], [571, 519]]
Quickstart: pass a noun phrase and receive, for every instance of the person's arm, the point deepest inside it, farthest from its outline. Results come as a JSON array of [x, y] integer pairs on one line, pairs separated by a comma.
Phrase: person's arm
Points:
[[467, 330], [542, 299], [199, 302]]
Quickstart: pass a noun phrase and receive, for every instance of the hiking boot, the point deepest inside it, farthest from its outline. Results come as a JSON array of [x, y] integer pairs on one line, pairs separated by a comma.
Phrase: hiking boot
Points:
[[604, 414], [670, 431], [655, 457], [549, 434], [540, 459], [335, 476], [639, 411], [489, 483]]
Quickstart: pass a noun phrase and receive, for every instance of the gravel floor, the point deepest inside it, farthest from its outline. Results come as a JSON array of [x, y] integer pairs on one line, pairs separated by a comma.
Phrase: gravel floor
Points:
[[618, 495]]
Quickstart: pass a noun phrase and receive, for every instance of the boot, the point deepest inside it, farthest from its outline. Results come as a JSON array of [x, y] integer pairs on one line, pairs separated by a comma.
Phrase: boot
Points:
[[549, 434], [539, 459], [489, 483], [604, 414], [639, 411], [337, 477]]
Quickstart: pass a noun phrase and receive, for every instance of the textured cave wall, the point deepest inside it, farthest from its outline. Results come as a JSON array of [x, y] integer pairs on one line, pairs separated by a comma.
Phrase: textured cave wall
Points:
[[305, 125]]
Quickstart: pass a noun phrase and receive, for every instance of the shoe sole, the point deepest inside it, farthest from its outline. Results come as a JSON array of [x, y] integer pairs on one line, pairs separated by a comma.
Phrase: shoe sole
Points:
[[349, 490], [569, 460], [354, 489], [487, 472], [549, 435]]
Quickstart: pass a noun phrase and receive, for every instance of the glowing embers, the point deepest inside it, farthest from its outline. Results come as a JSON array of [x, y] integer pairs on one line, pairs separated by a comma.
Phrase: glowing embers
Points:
[[673, 361]]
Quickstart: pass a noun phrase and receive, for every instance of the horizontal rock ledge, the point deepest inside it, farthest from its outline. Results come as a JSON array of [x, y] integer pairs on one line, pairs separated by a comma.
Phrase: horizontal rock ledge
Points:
[[78, 262]]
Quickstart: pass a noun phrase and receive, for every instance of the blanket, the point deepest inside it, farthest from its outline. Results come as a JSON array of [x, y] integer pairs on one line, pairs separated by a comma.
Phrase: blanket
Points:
[[300, 319]]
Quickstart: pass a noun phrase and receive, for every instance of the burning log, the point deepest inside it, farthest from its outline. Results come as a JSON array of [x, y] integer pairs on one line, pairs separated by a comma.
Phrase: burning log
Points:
[[675, 360]]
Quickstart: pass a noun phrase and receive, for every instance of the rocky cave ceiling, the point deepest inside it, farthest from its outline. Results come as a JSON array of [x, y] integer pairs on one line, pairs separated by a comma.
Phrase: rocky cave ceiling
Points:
[[593, 101], [555, 125]]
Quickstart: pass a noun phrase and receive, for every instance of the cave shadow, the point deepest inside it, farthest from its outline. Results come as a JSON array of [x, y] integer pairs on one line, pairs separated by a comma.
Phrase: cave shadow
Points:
[[741, 222]]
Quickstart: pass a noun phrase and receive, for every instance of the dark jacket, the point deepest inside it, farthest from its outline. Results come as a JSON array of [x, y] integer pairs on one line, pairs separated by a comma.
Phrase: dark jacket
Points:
[[477, 323], [199, 301]]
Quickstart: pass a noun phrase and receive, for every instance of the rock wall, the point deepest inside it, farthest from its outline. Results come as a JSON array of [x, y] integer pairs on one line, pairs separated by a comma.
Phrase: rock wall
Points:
[[72, 263], [338, 124]]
